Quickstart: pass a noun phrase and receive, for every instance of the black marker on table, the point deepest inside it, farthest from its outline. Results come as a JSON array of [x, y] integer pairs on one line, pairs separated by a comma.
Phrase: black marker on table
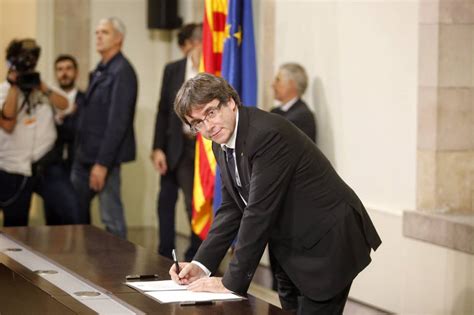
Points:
[[173, 252], [141, 277], [195, 303]]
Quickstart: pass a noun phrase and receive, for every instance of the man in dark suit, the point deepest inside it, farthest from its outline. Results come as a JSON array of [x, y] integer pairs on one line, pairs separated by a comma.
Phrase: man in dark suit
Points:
[[66, 69], [280, 190], [289, 85], [106, 138], [173, 146], [61, 206]]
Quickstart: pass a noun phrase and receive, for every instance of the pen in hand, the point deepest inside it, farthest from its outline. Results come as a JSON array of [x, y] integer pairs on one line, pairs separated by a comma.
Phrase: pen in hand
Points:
[[173, 252]]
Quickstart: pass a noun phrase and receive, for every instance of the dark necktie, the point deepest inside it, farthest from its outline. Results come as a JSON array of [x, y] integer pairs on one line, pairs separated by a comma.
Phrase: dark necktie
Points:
[[231, 167], [278, 111], [229, 157]]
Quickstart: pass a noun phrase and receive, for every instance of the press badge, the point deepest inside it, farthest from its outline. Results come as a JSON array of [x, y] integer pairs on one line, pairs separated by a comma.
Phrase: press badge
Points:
[[30, 122]]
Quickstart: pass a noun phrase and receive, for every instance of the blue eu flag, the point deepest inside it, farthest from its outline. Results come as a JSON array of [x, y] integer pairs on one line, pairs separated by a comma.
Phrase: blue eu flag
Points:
[[238, 61], [239, 66]]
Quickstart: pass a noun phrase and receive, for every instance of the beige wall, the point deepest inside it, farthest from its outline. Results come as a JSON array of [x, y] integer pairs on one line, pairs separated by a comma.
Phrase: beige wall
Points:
[[18, 20], [361, 57], [408, 276]]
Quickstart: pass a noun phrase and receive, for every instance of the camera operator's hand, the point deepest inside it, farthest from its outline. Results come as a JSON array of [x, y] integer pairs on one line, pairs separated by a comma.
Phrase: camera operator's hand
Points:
[[12, 76], [97, 177], [9, 110]]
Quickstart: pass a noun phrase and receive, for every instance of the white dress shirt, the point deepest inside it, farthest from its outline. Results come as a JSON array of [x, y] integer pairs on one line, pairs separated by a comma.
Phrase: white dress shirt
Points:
[[33, 136]]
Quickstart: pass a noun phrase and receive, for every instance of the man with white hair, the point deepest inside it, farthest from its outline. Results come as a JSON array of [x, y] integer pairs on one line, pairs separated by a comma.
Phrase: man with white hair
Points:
[[105, 130], [289, 85]]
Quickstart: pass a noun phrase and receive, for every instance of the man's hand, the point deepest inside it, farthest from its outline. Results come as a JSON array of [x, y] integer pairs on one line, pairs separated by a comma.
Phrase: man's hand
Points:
[[158, 158], [12, 76], [211, 284], [57, 100], [189, 273], [97, 177]]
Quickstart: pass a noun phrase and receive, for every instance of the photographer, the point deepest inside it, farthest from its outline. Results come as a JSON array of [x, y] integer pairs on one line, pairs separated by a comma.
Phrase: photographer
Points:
[[27, 131]]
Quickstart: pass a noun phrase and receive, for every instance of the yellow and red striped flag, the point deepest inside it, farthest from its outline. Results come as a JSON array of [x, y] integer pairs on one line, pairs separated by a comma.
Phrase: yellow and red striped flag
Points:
[[205, 163]]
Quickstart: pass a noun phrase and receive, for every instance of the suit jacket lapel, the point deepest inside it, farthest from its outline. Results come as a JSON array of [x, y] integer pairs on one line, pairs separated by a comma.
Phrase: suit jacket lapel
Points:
[[240, 149], [182, 72], [94, 81]]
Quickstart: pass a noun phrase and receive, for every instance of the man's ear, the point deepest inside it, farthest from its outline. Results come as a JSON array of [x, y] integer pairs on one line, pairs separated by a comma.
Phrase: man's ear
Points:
[[186, 120], [232, 104]]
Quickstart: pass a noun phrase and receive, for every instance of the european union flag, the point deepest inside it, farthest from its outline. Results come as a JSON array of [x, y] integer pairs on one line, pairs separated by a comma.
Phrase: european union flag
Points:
[[239, 66]]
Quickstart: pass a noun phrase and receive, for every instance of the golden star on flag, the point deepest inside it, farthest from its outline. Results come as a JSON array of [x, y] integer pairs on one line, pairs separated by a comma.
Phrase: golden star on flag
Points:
[[238, 35], [227, 31]]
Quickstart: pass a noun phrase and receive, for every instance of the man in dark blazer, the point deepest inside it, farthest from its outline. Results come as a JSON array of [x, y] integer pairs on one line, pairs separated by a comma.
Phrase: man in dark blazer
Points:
[[173, 146], [106, 138], [60, 202], [289, 85], [280, 190]]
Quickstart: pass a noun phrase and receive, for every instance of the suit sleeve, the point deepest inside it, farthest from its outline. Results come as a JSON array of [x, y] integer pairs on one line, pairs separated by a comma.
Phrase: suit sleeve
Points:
[[165, 105], [222, 233], [69, 127], [272, 169], [121, 114]]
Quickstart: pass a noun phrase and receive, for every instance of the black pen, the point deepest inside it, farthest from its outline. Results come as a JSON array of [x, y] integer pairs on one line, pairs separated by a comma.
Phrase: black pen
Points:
[[141, 277], [173, 252], [193, 303]]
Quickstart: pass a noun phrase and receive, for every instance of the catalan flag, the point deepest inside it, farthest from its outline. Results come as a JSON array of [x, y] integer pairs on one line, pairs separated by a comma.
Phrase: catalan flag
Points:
[[205, 163], [228, 44]]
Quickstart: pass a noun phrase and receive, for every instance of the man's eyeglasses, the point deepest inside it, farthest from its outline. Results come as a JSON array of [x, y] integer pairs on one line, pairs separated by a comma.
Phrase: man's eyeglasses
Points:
[[211, 113]]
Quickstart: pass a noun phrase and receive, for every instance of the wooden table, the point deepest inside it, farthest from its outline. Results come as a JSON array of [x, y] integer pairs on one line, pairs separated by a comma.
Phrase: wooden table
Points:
[[102, 259]]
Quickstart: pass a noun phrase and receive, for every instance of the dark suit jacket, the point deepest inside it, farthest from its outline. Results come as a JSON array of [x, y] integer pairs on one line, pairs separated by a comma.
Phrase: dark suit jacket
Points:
[[301, 116], [105, 129], [315, 225], [67, 132], [169, 135]]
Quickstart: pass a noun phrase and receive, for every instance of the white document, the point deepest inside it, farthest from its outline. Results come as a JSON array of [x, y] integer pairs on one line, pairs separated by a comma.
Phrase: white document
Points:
[[190, 296], [162, 285], [168, 291]]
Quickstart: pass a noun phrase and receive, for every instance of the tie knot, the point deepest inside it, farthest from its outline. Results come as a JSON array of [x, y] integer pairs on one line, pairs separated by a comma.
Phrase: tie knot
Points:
[[229, 150]]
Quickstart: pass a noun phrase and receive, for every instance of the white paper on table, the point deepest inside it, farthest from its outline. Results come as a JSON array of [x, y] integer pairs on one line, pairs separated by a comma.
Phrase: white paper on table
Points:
[[161, 285], [190, 296]]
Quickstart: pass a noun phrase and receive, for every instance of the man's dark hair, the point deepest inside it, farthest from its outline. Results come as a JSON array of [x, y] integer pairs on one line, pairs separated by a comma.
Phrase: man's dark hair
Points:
[[185, 33], [200, 90], [65, 57]]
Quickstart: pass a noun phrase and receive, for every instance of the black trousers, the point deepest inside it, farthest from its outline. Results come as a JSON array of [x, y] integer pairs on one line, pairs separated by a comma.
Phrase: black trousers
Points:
[[292, 299], [179, 178], [52, 184]]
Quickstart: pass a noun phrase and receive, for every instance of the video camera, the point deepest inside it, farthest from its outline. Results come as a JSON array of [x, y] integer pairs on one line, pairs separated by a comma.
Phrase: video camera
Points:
[[23, 55]]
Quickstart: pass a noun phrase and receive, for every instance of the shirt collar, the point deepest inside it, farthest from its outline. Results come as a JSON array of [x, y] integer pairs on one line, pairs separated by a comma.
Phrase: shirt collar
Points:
[[104, 66], [233, 138], [72, 94], [286, 107], [191, 72]]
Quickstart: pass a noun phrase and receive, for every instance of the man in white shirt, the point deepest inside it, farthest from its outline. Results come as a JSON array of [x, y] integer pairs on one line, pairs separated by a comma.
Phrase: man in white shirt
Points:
[[27, 131]]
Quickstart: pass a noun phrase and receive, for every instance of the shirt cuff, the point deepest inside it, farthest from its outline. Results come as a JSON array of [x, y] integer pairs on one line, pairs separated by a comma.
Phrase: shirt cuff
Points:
[[206, 271]]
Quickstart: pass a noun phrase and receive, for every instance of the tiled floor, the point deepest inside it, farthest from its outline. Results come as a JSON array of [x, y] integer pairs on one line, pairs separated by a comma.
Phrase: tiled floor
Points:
[[261, 284]]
